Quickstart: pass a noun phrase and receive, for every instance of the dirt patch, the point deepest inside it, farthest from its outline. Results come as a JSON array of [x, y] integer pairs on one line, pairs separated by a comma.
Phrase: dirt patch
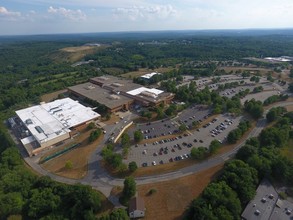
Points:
[[77, 49], [173, 197], [74, 54], [289, 108], [78, 158], [52, 96]]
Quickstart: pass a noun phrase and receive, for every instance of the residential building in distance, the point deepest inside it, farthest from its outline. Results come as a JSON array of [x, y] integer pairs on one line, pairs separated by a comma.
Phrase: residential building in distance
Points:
[[136, 207], [50, 123], [147, 77]]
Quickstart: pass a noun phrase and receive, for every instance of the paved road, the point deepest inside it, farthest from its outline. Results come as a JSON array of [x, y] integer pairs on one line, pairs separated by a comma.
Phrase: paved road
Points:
[[99, 179]]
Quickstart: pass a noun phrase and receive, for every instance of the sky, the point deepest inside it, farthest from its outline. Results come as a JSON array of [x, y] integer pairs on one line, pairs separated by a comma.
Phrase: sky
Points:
[[25, 17]]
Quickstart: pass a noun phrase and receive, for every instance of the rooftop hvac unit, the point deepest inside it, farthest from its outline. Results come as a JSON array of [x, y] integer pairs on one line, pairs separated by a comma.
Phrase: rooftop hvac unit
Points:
[[117, 84], [114, 97], [28, 121], [90, 87], [149, 94]]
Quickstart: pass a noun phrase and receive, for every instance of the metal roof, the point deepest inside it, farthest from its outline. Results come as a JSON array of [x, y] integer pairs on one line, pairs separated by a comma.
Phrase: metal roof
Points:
[[50, 120]]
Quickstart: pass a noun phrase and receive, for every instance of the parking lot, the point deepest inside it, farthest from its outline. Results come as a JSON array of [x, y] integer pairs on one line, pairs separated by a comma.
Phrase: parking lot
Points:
[[156, 129], [194, 114], [178, 148]]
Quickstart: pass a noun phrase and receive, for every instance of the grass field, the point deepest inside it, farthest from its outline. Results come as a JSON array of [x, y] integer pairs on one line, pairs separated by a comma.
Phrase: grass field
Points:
[[173, 197], [288, 151], [289, 108], [78, 157], [263, 71], [51, 96], [74, 54]]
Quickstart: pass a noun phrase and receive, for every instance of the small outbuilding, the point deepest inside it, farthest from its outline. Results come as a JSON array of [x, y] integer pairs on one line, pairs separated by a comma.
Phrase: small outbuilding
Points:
[[136, 208]]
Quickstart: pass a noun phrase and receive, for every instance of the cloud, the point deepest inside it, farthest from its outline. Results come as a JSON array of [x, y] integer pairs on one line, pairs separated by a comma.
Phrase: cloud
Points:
[[8, 15], [75, 15], [145, 12]]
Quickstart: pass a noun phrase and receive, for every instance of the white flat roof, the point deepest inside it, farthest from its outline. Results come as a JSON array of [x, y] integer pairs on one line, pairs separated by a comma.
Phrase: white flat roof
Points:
[[27, 140], [144, 89], [281, 59], [50, 120], [149, 75]]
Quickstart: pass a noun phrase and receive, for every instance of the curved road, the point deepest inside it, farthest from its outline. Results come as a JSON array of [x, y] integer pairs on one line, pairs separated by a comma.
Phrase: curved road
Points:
[[99, 179]]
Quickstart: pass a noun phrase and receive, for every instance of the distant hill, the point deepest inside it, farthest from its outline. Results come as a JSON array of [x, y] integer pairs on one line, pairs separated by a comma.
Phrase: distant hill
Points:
[[110, 36]]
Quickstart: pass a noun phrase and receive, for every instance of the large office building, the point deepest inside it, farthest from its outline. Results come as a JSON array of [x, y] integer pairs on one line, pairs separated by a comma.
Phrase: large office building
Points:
[[50, 123], [119, 93]]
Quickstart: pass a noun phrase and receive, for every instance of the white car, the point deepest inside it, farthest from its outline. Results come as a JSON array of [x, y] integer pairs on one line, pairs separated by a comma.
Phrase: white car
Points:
[[154, 163]]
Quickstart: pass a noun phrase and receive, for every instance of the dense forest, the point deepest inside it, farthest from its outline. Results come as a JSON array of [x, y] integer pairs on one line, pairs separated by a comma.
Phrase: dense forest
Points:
[[27, 71]]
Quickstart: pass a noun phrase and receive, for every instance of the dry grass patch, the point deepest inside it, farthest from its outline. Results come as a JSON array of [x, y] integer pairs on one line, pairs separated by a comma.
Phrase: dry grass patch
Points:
[[77, 49], [106, 206], [51, 96], [78, 158], [173, 197], [262, 71], [74, 54], [289, 108]]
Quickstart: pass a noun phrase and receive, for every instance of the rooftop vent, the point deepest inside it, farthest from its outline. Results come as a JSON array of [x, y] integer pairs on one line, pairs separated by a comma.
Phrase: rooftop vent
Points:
[[117, 84], [149, 94], [39, 129], [114, 97], [28, 121], [90, 87]]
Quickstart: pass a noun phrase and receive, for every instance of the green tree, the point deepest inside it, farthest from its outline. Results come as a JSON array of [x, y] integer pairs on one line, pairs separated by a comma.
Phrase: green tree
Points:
[[274, 113], [245, 152], [214, 146], [138, 136], [199, 153], [254, 108], [91, 125], [182, 127], [68, 165], [42, 202], [95, 135], [242, 178], [132, 166], [125, 140], [234, 136], [216, 197], [129, 189], [11, 204], [120, 214]]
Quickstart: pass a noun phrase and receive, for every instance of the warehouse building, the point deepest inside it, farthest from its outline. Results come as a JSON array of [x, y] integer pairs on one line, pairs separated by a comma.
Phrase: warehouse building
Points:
[[119, 93], [50, 123], [113, 101]]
